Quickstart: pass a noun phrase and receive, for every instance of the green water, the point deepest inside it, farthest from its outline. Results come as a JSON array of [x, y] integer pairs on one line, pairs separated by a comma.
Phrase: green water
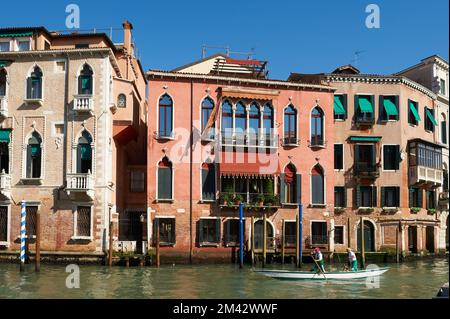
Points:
[[421, 279]]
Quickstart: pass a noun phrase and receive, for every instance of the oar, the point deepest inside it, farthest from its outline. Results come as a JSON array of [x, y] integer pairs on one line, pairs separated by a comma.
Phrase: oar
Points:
[[320, 268]]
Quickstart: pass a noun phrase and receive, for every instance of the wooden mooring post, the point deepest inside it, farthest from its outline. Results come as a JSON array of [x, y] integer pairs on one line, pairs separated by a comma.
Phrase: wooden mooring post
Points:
[[398, 242], [253, 240], [363, 248], [297, 242], [264, 240], [110, 252], [283, 242], [38, 242], [158, 261]]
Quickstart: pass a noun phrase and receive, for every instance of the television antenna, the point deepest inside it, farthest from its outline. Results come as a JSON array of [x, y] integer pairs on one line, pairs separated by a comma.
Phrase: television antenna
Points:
[[227, 51], [357, 54]]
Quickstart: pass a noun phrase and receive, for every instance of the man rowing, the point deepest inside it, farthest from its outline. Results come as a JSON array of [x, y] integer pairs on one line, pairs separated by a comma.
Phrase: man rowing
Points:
[[352, 260], [318, 260]]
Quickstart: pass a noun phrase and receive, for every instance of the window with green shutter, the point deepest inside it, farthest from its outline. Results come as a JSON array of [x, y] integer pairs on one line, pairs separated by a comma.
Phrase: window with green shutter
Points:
[[167, 234], [231, 228], [34, 154], [413, 113], [389, 108], [85, 81], [390, 197], [340, 199], [364, 109], [340, 107], [391, 157], [209, 231], [208, 182], [34, 84]]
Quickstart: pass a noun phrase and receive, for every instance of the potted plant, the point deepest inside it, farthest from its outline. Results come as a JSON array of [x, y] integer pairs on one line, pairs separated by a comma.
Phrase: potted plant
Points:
[[415, 210], [238, 199], [339, 210], [260, 199], [432, 211], [225, 198]]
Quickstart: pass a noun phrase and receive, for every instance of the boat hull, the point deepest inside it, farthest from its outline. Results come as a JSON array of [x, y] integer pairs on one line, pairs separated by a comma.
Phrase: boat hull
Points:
[[303, 275]]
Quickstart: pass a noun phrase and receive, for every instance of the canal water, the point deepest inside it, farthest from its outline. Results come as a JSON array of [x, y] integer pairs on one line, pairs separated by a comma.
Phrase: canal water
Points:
[[421, 279]]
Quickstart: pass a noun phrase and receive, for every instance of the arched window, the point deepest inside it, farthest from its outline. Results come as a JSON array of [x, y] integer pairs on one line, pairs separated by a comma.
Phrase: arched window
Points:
[[85, 80], [241, 122], [290, 188], [290, 125], [227, 122], [5, 139], [317, 186], [34, 156], [122, 101], [207, 110], [208, 182], [444, 129], [254, 123], [34, 84], [317, 136], [165, 175], [165, 116], [268, 124], [84, 154], [2, 82]]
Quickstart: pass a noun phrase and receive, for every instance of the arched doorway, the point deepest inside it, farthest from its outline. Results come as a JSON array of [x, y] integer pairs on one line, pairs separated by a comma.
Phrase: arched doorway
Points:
[[259, 234], [369, 236]]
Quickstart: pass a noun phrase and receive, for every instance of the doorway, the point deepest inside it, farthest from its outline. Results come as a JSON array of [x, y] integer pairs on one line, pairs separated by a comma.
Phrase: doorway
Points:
[[412, 239], [369, 237], [131, 228], [430, 239], [259, 235]]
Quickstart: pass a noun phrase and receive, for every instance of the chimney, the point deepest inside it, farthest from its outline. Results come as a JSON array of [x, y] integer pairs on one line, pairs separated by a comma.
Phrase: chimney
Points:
[[127, 27]]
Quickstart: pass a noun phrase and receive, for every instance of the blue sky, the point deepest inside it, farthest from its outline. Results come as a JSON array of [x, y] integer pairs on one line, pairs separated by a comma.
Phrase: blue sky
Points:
[[294, 36]]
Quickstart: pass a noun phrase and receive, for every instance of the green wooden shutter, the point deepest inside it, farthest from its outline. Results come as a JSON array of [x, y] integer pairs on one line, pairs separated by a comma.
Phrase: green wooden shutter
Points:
[[372, 100], [356, 154], [420, 197], [383, 114], [374, 196], [374, 154], [344, 196], [397, 196], [397, 104], [164, 183], [356, 108], [397, 157], [345, 103], [29, 88], [411, 197], [200, 231], [298, 188], [282, 189], [218, 230], [358, 196], [29, 161], [383, 197]]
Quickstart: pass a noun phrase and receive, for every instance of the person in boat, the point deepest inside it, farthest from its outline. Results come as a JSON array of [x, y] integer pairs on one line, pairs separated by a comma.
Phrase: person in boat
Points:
[[353, 262], [317, 255]]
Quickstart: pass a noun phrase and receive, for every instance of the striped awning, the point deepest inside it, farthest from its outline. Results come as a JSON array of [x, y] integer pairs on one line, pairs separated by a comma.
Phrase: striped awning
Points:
[[16, 35], [249, 164]]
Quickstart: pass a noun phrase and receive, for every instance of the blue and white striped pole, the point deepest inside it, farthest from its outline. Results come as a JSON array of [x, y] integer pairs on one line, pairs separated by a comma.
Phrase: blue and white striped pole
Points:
[[22, 236]]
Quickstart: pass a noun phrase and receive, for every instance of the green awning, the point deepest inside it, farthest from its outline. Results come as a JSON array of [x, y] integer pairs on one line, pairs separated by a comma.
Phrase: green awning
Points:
[[431, 117], [5, 136], [16, 35], [390, 107], [338, 106], [413, 109], [365, 105], [365, 138]]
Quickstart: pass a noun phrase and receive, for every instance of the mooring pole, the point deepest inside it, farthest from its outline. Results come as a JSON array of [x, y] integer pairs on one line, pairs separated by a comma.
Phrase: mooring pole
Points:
[[300, 236], [265, 240], [349, 243], [158, 261], [363, 248], [38, 242], [253, 240], [110, 253], [241, 235], [23, 231], [283, 242], [398, 239]]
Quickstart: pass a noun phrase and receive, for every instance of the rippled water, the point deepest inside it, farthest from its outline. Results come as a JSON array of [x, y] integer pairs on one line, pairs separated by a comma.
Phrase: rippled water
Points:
[[421, 279]]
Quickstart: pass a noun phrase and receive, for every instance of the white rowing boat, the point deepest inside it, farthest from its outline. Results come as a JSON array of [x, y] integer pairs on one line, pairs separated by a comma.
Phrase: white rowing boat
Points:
[[337, 275]]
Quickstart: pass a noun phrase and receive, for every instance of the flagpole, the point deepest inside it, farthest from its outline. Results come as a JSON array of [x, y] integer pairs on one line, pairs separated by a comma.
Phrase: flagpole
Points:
[[22, 236]]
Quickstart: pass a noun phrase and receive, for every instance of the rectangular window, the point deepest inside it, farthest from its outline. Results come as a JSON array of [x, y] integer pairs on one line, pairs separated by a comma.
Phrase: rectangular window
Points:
[[166, 231], [319, 233], [5, 46], [290, 229], [389, 108], [413, 113], [30, 221], [340, 199], [365, 159], [390, 196], [208, 182], [442, 87], [391, 157], [232, 232], [430, 121], [83, 221], [415, 197], [366, 196], [340, 107], [81, 46], [4, 155], [338, 156], [364, 109], [165, 183], [431, 199], [24, 45], [209, 231], [137, 182], [339, 235], [444, 132], [3, 224]]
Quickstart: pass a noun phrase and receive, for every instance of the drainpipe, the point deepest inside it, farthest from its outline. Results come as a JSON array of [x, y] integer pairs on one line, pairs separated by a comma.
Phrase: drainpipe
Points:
[[66, 121], [191, 144]]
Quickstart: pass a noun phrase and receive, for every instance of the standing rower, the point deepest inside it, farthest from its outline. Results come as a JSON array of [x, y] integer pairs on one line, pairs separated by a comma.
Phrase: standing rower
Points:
[[318, 259], [352, 260]]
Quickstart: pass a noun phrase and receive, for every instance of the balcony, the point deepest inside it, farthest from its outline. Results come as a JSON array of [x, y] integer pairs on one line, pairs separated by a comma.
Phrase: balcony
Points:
[[5, 185], [426, 175], [366, 170], [250, 200], [250, 140], [80, 184], [83, 104], [365, 119], [3, 106]]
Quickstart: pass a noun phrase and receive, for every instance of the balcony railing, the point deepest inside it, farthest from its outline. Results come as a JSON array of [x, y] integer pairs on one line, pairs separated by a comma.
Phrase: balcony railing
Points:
[[251, 200], [5, 184], [80, 183], [83, 104], [366, 170], [365, 119], [3, 106], [250, 140], [427, 175]]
